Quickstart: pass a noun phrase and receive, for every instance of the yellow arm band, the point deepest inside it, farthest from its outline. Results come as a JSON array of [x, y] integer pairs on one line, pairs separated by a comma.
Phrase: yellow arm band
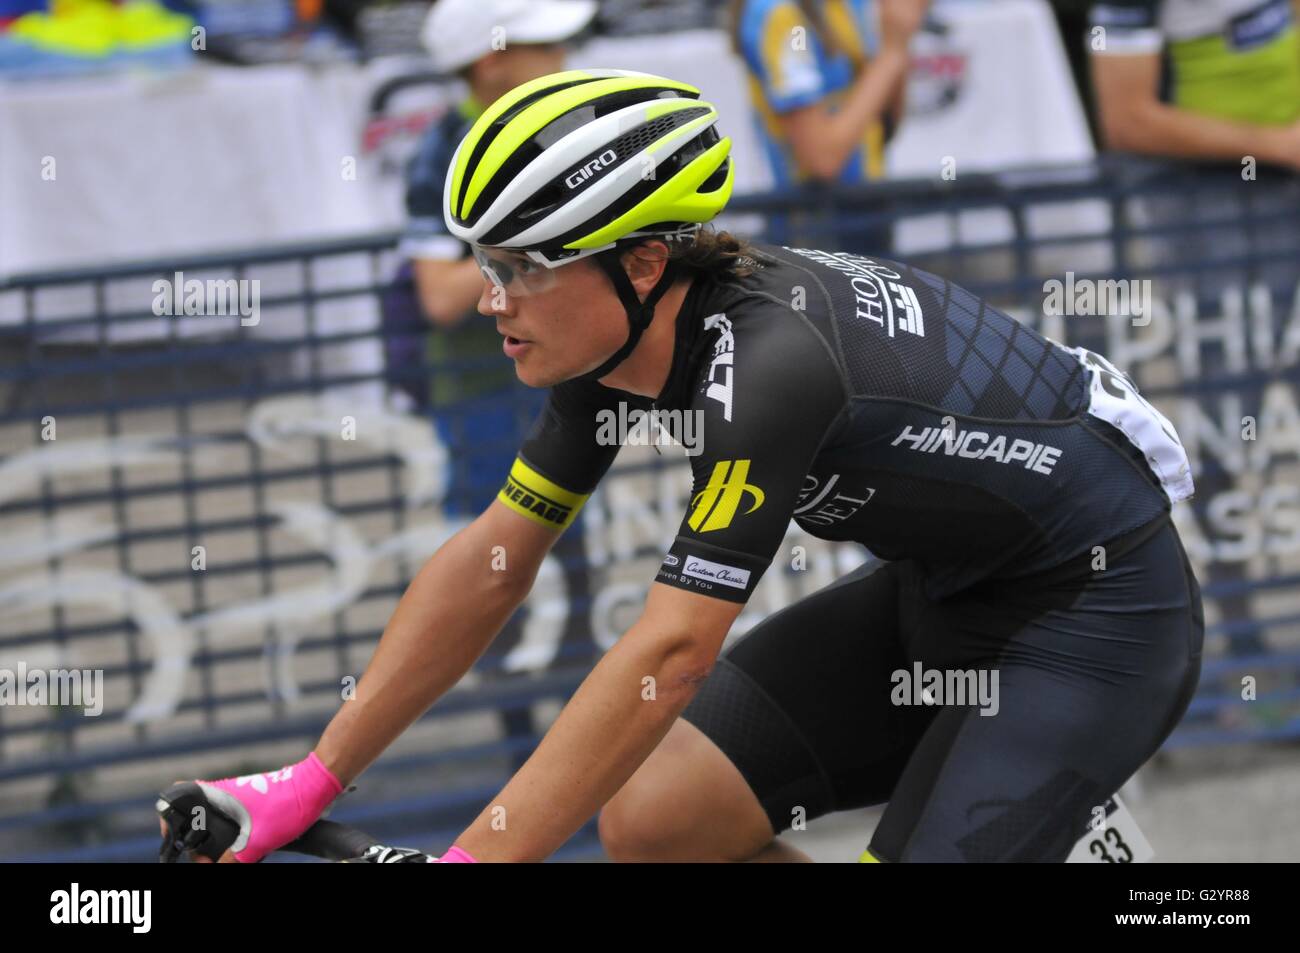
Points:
[[530, 494]]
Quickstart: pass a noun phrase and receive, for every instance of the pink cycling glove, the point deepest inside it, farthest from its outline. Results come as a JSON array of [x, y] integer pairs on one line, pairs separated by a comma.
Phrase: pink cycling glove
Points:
[[274, 808], [455, 855]]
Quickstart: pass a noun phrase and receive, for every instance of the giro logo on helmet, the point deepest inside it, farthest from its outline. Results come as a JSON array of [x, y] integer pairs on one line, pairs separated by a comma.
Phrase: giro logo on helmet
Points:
[[606, 158]]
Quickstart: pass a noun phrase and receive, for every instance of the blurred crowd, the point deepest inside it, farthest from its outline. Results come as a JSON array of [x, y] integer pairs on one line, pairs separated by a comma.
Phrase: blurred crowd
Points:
[[827, 80], [1190, 79]]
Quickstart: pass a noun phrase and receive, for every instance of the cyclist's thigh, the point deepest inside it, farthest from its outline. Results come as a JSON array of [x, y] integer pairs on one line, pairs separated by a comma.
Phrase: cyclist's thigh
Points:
[[685, 802], [1087, 690], [801, 704]]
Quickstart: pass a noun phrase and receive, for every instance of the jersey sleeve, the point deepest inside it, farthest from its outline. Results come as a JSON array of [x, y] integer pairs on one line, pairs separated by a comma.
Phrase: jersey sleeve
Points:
[[1132, 27], [766, 403], [779, 47], [565, 453]]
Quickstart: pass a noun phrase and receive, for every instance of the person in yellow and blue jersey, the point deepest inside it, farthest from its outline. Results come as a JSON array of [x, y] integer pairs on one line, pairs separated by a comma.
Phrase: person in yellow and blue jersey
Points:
[[826, 78]]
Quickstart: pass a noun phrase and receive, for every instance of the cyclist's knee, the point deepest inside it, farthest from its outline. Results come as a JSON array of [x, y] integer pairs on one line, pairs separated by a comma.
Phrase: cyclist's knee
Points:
[[637, 825], [686, 802]]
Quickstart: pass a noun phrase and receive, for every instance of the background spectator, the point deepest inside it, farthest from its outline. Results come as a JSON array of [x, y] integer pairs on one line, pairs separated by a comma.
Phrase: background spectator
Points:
[[1193, 79], [828, 90], [493, 45]]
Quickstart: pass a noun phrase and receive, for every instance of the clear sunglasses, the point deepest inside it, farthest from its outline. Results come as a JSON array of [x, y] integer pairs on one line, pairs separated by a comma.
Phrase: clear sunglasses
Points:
[[530, 272]]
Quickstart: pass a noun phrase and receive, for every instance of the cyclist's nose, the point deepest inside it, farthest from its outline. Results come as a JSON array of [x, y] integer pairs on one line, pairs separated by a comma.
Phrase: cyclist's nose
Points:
[[493, 300]]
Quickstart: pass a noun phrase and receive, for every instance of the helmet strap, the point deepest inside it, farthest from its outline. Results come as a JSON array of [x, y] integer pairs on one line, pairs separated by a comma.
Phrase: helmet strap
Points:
[[639, 313]]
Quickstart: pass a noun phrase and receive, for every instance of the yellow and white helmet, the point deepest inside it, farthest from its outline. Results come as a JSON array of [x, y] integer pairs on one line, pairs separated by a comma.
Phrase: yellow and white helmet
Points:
[[587, 161], [570, 163]]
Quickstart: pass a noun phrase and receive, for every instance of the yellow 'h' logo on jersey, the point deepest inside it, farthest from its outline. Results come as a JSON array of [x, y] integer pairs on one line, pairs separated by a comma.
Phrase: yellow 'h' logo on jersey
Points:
[[715, 506]]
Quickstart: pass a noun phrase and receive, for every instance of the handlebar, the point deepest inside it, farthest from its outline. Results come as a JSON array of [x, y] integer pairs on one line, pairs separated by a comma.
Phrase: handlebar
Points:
[[332, 841], [177, 806]]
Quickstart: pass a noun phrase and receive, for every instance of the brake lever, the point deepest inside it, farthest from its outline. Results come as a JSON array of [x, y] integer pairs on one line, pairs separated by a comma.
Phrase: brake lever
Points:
[[177, 807]]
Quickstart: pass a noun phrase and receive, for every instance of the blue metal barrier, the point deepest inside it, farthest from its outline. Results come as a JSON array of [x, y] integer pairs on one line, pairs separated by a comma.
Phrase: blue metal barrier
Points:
[[292, 451]]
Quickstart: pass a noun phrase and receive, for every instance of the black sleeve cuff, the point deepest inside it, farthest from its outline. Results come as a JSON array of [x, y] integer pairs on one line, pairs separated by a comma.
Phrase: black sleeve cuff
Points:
[[711, 571]]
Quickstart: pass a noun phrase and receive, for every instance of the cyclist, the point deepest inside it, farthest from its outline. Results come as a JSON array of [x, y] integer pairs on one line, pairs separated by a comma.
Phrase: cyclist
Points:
[[1019, 489]]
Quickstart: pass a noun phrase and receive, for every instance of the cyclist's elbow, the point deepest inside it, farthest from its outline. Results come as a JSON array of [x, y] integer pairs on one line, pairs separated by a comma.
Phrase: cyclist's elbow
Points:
[[683, 661], [687, 632], [689, 670]]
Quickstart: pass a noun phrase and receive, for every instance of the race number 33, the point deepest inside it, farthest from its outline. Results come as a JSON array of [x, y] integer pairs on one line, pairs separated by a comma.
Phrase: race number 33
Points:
[[1112, 837]]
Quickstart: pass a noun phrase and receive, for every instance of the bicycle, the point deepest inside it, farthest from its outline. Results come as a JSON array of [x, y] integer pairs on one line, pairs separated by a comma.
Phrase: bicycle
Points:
[[1117, 839]]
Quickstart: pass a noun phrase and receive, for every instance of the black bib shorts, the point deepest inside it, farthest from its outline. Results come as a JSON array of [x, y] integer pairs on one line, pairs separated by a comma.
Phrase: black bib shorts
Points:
[[1094, 668]]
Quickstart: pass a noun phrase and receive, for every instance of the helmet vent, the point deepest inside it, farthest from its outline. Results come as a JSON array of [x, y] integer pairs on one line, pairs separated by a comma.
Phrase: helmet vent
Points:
[[625, 147], [717, 180], [637, 139]]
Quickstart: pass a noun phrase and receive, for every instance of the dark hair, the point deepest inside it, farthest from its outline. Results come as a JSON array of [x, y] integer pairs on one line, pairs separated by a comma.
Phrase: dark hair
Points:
[[715, 254], [718, 254]]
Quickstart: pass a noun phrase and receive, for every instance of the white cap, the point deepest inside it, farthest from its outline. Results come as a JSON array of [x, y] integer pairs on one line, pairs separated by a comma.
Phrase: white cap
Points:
[[458, 32]]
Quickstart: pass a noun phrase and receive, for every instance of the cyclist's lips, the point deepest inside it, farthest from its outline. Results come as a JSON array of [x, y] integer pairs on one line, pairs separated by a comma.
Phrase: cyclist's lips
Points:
[[513, 346]]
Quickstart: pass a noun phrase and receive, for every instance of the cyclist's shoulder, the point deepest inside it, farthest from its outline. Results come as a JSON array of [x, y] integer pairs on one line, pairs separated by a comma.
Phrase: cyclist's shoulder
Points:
[[841, 288], [759, 349], [777, 283], [849, 281], [853, 305], [583, 399], [778, 310]]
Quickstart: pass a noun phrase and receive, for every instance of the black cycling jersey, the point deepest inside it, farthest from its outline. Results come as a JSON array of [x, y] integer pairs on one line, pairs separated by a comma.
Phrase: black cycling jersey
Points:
[[872, 402]]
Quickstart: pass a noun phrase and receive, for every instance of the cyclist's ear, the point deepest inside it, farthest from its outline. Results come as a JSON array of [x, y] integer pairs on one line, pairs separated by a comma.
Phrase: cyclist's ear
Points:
[[645, 263]]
